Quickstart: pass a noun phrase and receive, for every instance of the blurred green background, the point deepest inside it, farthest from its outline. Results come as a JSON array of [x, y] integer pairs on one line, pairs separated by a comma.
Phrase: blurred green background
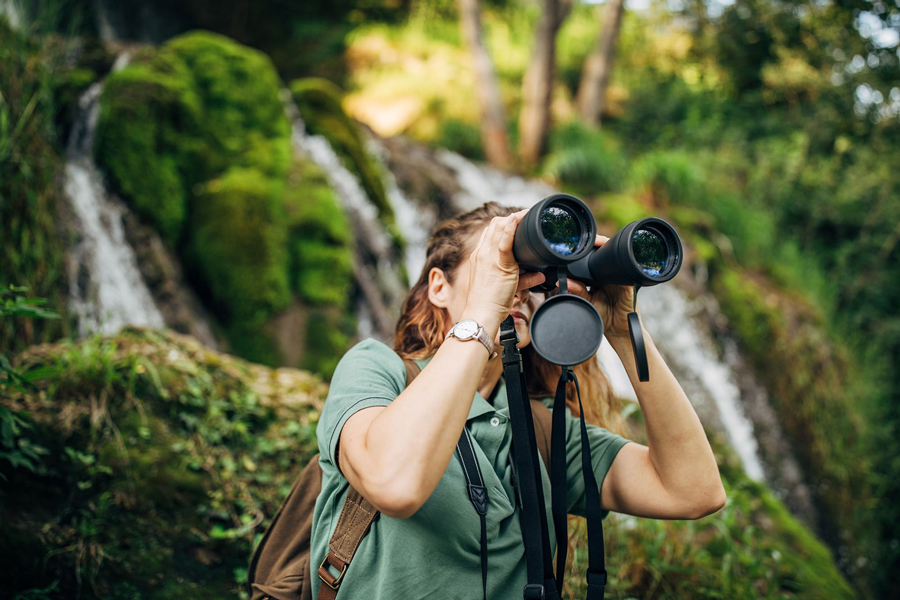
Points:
[[143, 464]]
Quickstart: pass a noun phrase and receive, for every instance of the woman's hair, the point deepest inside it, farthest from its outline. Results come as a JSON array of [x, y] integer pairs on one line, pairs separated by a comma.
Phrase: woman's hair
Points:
[[422, 325]]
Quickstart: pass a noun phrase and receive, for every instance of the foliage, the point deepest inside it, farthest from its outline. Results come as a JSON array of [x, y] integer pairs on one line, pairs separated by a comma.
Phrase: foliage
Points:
[[31, 239], [163, 462], [16, 447], [461, 137], [752, 548], [584, 159]]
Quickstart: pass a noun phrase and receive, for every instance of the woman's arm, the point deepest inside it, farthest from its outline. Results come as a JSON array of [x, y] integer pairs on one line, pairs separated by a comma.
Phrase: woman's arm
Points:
[[396, 455], [675, 476]]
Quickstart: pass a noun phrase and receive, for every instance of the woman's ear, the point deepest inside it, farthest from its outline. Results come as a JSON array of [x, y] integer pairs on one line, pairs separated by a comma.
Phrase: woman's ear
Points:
[[439, 288]]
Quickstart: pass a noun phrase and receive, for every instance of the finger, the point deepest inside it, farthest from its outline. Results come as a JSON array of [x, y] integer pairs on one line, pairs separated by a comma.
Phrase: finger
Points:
[[505, 243], [601, 239], [529, 280], [500, 226], [578, 288], [488, 244]]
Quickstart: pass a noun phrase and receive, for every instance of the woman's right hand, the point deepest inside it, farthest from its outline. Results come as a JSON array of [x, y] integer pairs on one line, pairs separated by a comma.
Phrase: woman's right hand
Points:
[[494, 275]]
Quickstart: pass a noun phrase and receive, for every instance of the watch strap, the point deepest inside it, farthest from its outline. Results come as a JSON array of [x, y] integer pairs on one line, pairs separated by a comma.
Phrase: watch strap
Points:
[[480, 335]]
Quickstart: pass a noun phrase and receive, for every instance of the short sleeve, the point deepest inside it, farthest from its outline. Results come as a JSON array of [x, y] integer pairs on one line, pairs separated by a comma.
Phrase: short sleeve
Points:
[[369, 374], [604, 444]]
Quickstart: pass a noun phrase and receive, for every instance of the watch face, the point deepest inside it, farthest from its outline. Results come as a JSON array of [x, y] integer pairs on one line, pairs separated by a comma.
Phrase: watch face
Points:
[[465, 329]]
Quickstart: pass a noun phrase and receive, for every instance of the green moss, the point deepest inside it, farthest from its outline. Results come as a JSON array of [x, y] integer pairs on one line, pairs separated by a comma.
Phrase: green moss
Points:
[[148, 128], [319, 102], [238, 240], [195, 137], [320, 241], [161, 456]]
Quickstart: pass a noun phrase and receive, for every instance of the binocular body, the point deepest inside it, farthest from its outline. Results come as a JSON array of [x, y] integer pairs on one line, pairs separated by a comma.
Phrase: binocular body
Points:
[[556, 237], [560, 231]]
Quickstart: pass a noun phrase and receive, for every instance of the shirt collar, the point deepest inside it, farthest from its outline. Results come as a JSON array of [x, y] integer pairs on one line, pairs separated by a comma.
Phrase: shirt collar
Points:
[[480, 406]]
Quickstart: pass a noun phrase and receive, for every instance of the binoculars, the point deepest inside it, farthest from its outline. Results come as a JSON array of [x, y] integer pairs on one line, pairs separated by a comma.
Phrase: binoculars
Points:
[[556, 237]]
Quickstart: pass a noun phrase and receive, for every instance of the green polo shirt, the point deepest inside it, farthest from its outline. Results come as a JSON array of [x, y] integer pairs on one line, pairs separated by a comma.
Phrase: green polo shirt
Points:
[[436, 553]]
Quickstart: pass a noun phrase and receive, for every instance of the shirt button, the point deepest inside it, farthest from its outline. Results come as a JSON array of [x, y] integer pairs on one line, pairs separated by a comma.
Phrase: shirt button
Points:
[[495, 421]]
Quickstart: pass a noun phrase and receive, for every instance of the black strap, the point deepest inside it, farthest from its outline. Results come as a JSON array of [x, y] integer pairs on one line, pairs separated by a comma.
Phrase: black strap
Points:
[[527, 468], [558, 482], [477, 494], [596, 573]]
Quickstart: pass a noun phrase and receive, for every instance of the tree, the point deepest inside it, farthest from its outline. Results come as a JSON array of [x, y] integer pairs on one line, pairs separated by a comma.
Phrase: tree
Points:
[[598, 67], [493, 117], [537, 89]]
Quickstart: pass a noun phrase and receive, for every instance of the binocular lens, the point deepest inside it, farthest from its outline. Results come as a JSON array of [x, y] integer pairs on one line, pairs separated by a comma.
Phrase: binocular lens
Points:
[[650, 251], [561, 229]]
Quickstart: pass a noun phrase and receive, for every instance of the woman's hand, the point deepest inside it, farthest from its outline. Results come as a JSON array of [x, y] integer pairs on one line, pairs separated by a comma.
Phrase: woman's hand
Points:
[[494, 277], [613, 302]]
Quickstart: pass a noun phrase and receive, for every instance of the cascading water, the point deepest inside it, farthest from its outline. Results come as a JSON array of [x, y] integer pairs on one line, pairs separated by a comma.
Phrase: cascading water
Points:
[[376, 272], [414, 220], [106, 289]]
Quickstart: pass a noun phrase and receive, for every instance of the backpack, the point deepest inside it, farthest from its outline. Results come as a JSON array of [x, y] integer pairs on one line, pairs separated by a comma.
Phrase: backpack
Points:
[[280, 565]]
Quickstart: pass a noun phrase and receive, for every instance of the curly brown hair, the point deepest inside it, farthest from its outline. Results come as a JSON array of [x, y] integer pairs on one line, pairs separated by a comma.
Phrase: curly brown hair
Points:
[[422, 325]]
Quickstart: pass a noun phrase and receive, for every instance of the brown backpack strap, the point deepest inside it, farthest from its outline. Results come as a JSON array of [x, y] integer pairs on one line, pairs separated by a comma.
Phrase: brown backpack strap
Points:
[[542, 427], [352, 526]]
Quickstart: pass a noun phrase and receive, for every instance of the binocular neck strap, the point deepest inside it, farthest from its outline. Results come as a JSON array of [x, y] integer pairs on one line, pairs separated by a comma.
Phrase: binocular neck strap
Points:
[[535, 532], [637, 341], [596, 572]]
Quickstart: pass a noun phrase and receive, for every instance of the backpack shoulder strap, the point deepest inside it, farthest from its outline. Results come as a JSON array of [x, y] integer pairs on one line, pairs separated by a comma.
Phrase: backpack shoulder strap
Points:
[[412, 370], [353, 524], [542, 427]]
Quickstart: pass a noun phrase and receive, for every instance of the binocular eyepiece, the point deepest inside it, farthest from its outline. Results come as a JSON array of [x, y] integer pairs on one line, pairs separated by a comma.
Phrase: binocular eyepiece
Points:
[[556, 237]]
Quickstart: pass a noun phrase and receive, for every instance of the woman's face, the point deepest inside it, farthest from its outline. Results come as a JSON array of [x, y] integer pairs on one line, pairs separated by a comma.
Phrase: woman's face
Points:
[[454, 298]]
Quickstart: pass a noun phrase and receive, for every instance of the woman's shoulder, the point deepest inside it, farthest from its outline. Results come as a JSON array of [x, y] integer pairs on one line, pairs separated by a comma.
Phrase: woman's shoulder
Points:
[[369, 363]]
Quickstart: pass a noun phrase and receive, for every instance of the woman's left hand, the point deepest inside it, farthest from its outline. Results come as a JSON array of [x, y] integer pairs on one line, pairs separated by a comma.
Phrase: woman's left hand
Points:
[[613, 302]]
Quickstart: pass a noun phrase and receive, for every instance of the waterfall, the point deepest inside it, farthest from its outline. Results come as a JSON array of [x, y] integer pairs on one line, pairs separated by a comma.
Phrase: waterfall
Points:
[[414, 220], [671, 320], [106, 289], [375, 269]]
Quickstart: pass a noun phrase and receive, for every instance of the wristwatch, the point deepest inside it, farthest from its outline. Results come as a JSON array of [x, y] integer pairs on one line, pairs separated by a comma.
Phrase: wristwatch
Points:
[[469, 329]]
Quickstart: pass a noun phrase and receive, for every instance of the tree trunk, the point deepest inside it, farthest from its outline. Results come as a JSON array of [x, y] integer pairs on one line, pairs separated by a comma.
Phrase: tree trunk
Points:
[[493, 118], [598, 67], [537, 88]]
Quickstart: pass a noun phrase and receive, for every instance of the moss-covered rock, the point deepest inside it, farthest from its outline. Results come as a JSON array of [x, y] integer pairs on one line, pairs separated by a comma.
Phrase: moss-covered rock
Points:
[[185, 113], [161, 461], [319, 102], [239, 243], [194, 135], [147, 137]]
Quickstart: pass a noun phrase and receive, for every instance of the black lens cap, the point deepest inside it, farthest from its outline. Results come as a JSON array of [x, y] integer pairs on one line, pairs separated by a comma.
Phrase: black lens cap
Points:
[[566, 330]]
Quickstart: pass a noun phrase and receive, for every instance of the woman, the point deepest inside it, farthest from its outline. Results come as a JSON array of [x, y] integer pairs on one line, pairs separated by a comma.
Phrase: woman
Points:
[[395, 444]]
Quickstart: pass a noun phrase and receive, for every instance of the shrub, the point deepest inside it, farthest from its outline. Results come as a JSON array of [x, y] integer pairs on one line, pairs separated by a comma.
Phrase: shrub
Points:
[[669, 177], [585, 159]]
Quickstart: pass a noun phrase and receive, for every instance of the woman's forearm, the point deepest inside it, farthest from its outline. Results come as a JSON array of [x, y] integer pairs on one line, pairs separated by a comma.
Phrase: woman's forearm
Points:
[[399, 455], [679, 450]]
